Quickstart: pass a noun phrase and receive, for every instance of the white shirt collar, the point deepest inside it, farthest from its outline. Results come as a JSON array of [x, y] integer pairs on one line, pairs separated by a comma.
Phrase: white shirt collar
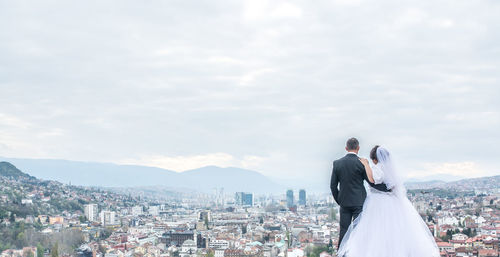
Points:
[[352, 153]]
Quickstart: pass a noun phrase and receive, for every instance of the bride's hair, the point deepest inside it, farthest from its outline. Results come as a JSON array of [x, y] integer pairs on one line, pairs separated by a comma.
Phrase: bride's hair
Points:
[[373, 153]]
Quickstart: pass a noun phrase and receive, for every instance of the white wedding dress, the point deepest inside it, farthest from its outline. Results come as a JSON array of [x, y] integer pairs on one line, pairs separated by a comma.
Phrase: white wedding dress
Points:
[[389, 225]]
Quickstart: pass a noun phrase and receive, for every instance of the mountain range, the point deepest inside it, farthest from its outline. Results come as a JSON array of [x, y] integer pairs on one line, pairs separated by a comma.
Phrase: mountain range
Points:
[[113, 175], [204, 179]]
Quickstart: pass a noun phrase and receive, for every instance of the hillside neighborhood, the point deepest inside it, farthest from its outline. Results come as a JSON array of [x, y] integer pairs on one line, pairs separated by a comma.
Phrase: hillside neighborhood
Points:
[[48, 218]]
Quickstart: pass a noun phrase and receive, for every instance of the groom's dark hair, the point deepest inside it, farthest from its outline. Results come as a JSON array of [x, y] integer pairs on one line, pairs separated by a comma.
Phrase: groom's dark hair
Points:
[[352, 144]]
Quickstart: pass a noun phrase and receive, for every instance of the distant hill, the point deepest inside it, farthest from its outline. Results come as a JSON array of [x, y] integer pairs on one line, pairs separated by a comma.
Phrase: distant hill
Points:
[[10, 171], [463, 184], [232, 179], [113, 175], [93, 174], [435, 177], [432, 181], [423, 184], [475, 183]]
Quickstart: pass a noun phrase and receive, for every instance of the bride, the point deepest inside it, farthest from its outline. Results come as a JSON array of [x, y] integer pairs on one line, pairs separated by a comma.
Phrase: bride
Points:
[[389, 226]]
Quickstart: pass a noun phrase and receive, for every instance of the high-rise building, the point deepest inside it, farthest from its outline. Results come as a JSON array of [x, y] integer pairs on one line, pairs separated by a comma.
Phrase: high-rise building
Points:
[[205, 215], [248, 199], [154, 210], [289, 198], [238, 198], [219, 197], [136, 210], [91, 212], [201, 241], [302, 197], [243, 199], [108, 218]]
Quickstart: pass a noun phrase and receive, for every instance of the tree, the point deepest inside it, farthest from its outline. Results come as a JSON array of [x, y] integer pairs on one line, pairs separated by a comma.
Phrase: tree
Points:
[[317, 250], [20, 240], [28, 253], [206, 221], [308, 250], [479, 208], [105, 233], [39, 250], [102, 249], [54, 252], [333, 214], [37, 224], [448, 236], [4, 246], [330, 247]]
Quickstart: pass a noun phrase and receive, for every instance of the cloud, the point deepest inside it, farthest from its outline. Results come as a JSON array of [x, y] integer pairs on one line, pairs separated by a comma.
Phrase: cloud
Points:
[[183, 163], [275, 86], [459, 169], [287, 10], [225, 59], [258, 10], [12, 121], [250, 77]]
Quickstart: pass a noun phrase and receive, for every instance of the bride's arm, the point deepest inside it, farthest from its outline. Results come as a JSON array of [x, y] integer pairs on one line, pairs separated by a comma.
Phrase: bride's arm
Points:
[[369, 172]]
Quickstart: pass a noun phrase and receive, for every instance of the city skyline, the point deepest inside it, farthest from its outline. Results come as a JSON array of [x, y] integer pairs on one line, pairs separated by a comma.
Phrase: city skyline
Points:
[[48, 217]]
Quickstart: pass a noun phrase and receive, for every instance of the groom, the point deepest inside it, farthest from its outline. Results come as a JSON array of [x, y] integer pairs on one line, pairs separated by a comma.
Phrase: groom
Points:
[[350, 173]]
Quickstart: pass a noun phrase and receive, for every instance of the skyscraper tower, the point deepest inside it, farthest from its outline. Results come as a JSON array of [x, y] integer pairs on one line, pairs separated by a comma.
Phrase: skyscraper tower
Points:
[[302, 197], [289, 198], [243, 199], [91, 212], [219, 197]]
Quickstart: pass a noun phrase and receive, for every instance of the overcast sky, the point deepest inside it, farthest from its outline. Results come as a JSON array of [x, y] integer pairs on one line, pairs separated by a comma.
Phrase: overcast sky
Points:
[[273, 86]]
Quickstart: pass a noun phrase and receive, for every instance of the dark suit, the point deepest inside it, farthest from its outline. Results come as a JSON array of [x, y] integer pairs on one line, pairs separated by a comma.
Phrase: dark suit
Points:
[[350, 173]]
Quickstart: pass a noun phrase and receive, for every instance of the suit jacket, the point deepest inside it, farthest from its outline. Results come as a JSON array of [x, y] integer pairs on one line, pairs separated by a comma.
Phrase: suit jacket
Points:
[[350, 173]]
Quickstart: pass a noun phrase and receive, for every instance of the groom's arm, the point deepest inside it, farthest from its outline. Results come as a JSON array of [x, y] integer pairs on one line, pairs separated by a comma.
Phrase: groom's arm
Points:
[[334, 182]]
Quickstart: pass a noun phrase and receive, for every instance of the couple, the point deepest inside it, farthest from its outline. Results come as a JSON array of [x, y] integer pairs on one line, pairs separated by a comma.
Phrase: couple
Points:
[[385, 223]]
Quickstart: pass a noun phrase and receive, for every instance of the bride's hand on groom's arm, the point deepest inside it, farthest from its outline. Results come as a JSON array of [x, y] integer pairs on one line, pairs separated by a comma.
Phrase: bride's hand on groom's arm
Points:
[[368, 169], [364, 161]]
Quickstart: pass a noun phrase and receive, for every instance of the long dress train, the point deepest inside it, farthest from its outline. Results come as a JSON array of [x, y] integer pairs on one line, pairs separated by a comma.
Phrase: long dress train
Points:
[[389, 226]]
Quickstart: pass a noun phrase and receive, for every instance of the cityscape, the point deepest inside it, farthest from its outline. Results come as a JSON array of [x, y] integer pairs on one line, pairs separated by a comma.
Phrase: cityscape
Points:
[[49, 218], [251, 128]]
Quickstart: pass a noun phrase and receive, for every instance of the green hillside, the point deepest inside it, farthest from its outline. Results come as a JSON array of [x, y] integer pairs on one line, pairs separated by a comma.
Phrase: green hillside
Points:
[[9, 170]]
